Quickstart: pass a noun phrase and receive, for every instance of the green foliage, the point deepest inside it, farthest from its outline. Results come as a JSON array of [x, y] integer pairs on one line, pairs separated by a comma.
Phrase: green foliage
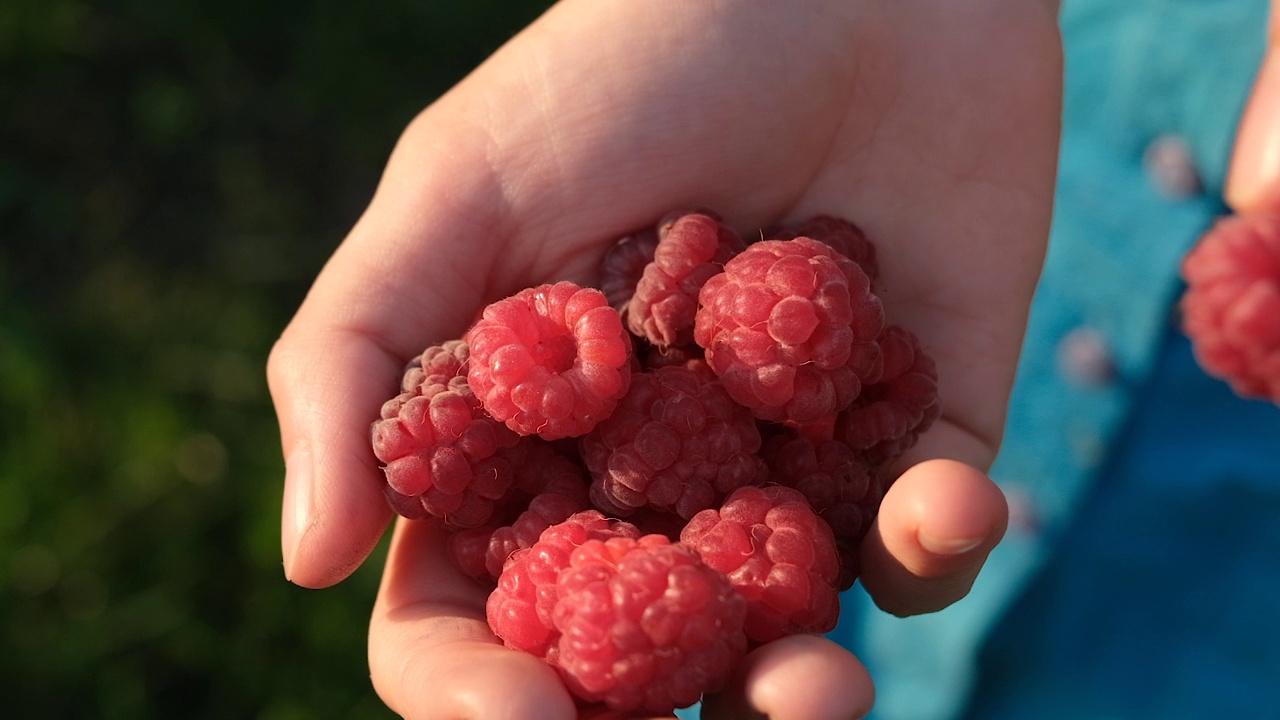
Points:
[[172, 177]]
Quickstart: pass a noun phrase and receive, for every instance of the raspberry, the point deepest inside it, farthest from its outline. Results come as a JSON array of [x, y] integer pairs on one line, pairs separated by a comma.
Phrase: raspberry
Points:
[[644, 625], [469, 550], [499, 486], [544, 511], [838, 483], [481, 552], [790, 327], [658, 522], [434, 440], [890, 414], [443, 363], [623, 265], [676, 441], [542, 488], [778, 554], [551, 361], [676, 355], [519, 609], [1231, 308], [692, 247], [842, 235]]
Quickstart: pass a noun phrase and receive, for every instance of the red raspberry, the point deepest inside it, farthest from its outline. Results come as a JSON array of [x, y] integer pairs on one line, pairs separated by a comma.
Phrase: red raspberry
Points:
[[838, 483], [520, 609], [658, 522], [1231, 308], [840, 234], [675, 355], [644, 625], [676, 441], [890, 414], [623, 264], [438, 364], [469, 551], [778, 554], [434, 441], [790, 327], [499, 486], [538, 468], [692, 247], [551, 361], [542, 487], [481, 552]]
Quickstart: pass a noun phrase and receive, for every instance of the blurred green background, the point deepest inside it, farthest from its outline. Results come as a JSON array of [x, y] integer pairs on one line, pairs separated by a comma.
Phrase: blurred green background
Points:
[[172, 177]]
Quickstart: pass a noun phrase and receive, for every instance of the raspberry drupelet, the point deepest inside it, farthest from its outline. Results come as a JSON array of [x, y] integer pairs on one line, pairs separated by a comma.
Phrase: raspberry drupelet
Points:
[[551, 360], [676, 442], [692, 247], [644, 626], [778, 553], [790, 327], [1231, 307]]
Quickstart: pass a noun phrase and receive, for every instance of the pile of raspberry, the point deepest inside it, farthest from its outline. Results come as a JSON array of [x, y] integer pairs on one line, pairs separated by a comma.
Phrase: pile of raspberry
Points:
[[659, 473]]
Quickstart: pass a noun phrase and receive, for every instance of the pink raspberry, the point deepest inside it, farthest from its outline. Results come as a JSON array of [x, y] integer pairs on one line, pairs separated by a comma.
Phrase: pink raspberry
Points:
[[644, 626], [692, 247], [520, 609], [1231, 308], [551, 361], [778, 554], [845, 237], [890, 414], [623, 264], [838, 483], [790, 327], [676, 441], [434, 441]]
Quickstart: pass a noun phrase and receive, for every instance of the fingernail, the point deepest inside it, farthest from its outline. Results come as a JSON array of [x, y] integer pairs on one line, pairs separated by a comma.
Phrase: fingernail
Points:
[[1255, 164], [950, 546], [295, 512]]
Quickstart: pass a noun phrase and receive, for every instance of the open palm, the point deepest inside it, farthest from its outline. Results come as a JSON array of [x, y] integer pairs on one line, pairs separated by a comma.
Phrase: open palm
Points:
[[932, 125]]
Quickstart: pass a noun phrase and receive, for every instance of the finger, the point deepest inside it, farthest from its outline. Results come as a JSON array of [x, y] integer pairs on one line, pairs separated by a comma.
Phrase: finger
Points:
[[382, 298], [333, 510], [1254, 178], [431, 654], [800, 677], [936, 526]]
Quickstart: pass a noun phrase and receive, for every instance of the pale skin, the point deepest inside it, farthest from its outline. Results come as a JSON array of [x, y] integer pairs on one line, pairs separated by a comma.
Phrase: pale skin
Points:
[[905, 115]]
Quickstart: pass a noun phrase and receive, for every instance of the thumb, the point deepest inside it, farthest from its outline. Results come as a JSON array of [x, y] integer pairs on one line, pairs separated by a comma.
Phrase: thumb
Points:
[[1254, 178]]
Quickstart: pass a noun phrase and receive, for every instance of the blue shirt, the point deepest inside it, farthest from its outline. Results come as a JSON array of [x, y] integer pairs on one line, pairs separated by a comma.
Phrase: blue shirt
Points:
[[1140, 577]]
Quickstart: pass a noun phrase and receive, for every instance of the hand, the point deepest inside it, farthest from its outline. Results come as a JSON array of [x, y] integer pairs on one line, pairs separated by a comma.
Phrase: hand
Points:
[[1254, 180], [932, 125]]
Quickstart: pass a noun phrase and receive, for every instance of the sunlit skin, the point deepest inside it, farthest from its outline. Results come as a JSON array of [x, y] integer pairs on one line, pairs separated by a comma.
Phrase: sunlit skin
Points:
[[933, 125]]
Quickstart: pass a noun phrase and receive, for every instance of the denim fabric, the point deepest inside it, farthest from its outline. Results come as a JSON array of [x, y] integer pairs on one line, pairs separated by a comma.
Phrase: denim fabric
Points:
[[1142, 501], [1161, 601]]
